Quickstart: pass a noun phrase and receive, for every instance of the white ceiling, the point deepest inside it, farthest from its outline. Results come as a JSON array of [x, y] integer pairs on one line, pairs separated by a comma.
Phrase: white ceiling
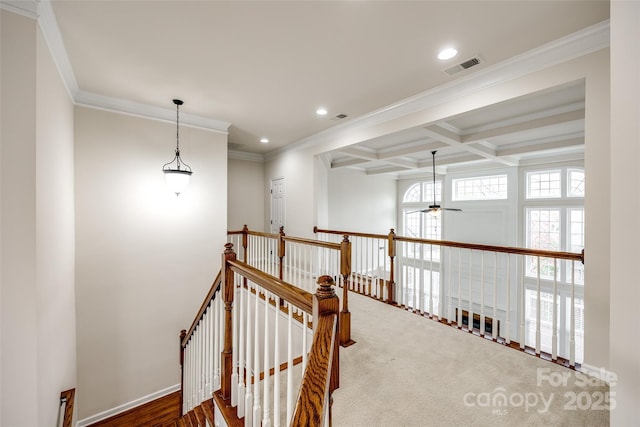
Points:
[[266, 66]]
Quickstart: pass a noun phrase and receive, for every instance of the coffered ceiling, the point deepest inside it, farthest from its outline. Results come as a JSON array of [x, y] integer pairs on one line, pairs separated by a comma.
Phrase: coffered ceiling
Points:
[[262, 68]]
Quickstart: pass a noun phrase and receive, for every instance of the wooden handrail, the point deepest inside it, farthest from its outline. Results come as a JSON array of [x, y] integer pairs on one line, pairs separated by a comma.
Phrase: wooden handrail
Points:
[[205, 303], [494, 248], [350, 233], [312, 242], [296, 296], [254, 233], [315, 388]]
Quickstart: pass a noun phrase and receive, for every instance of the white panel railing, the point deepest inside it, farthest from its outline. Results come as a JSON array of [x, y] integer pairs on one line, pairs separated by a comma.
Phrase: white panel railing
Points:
[[511, 295]]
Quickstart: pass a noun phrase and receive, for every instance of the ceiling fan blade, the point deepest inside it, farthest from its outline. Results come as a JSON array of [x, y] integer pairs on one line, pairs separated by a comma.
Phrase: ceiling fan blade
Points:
[[452, 209], [422, 210]]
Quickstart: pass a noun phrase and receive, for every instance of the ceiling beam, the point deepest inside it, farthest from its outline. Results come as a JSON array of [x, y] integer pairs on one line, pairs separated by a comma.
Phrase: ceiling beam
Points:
[[542, 122], [453, 139], [407, 151], [343, 163], [553, 145], [359, 153]]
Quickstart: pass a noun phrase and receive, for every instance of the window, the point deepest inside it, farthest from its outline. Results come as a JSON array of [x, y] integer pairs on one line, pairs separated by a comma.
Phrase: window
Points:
[[543, 185], [576, 183], [418, 224], [554, 220], [543, 232], [422, 192], [480, 188]]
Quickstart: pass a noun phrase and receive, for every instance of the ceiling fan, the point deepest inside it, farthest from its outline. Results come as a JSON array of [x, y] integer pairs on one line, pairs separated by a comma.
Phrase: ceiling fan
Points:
[[435, 208]]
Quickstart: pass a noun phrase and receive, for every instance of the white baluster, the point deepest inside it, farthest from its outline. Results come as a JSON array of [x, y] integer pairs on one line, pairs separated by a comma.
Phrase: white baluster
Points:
[[234, 346], [459, 288], [449, 287], [417, 280], [305, 321], [289, 367], [257, 409], [242, 367], [538, 308], [266, 400], [276, 366], [494, 323], [522, 336], [470, 312], [572, 321], [554, 335], [508, 328], [482, 319], [216, 341], [430, 281], [248, 398]]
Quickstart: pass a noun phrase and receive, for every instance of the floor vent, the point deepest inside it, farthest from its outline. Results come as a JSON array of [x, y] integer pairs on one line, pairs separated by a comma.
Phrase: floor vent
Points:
[[463, 66], [488, 323]]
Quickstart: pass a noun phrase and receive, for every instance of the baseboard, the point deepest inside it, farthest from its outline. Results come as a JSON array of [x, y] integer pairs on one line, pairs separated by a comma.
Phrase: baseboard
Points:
[[127, 406], [599, 373]]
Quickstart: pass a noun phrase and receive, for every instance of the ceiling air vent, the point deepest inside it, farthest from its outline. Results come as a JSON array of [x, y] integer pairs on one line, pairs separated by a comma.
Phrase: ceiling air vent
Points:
[[463, 66], [339, 117]]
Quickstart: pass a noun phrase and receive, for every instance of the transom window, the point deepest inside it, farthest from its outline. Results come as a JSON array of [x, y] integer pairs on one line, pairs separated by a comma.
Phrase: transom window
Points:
[[543, 185], [480, 188]]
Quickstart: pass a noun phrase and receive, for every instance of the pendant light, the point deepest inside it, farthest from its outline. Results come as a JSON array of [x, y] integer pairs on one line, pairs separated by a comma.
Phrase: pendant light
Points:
[[177, 173]]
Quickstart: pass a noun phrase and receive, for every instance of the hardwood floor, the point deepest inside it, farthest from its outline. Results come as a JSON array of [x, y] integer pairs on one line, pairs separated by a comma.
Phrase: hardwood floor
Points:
[[160, 411]]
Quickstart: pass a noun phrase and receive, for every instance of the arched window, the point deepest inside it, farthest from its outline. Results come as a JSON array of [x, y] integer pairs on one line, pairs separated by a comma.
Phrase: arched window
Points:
[[418, 224]]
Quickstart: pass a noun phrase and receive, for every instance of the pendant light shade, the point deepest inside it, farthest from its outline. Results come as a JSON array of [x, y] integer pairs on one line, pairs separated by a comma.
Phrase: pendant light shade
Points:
[[177, 173]]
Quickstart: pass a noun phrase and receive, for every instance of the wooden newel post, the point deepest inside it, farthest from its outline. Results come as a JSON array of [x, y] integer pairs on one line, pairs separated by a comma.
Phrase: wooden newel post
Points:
[[325, 301], [391, 285], [345, 271], [228, 289], [245, 242], [183, 334], [281, 253]]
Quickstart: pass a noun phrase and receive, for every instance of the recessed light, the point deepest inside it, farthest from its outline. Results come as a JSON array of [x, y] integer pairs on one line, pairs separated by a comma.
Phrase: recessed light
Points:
[[447, 53], [264, 140], [321, 111]]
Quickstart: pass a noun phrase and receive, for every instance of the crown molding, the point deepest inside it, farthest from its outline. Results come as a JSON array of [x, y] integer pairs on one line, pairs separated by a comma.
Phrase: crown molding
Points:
[[124, 106], [580, 43], [28, 8], [53, 39], [51, 33], [243, 155]]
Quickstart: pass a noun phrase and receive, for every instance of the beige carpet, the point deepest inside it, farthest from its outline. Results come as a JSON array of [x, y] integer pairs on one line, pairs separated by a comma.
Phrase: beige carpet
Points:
[[406, 370]]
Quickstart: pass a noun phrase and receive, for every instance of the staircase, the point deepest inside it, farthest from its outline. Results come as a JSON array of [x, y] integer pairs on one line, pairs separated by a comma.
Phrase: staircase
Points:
[[197, 417]]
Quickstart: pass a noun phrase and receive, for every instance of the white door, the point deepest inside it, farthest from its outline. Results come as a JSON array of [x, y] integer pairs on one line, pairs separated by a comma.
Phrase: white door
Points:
[[277, 204]]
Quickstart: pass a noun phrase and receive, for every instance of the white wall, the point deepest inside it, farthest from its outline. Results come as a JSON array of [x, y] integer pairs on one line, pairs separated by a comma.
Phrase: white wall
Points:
[[37, 288], [360, 202], [55, 237], [625, 205], [245, 203], [18, 231], [145, 257], [297, 169]]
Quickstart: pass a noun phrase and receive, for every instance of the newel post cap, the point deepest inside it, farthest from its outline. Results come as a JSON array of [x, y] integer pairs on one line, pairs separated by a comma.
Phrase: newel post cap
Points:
[[325, 287]]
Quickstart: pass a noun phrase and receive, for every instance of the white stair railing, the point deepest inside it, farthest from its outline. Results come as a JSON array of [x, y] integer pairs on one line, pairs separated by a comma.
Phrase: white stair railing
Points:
[[249, 345]]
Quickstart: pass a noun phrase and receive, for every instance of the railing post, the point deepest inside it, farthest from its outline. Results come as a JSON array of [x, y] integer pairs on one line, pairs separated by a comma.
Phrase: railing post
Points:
[[228, 289], [325, 301], [183, 333], [345, 271], [391, 285], [245, 241], [281, 252]]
